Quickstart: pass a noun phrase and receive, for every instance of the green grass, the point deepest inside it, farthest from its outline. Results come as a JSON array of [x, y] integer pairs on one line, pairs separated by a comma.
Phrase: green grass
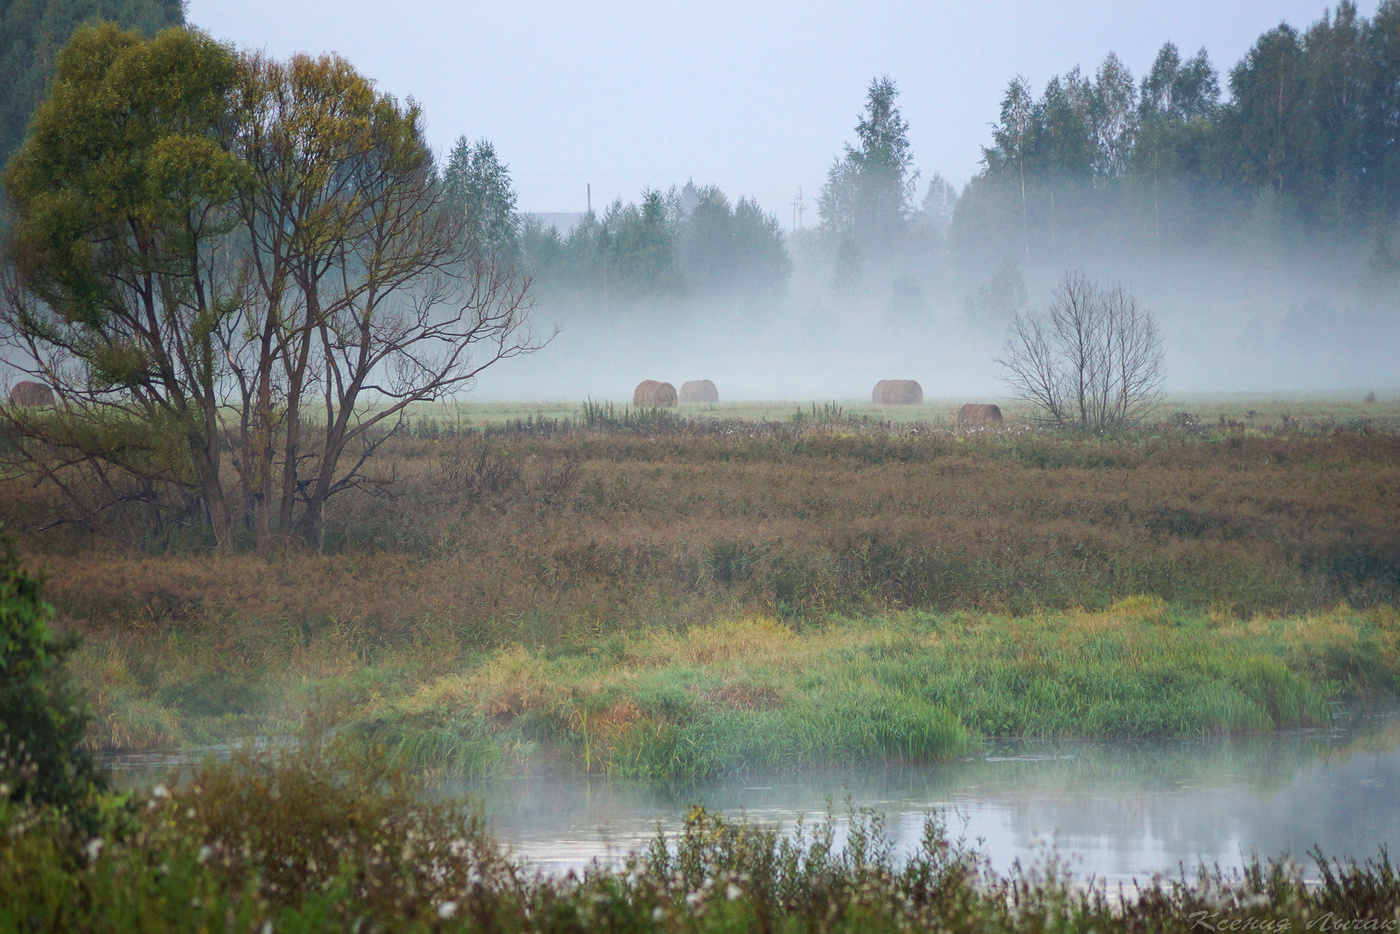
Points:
[[760, 695]]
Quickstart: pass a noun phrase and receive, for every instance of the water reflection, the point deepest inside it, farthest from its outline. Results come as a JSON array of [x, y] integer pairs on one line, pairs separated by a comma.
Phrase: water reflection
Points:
[[1114, 811]]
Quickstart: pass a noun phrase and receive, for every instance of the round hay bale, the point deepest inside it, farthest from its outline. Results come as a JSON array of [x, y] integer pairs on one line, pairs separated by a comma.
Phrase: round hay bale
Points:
[[651, 394], [699, 390], [31, 393], [898, 392], [974, 415]]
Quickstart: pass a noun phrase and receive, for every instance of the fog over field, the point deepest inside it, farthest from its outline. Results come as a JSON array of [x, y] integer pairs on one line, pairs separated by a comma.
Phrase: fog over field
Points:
[[1304, 322], [1266, 270]]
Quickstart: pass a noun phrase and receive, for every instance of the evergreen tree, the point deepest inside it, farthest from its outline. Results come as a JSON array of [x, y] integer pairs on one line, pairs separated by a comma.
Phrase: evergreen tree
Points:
[[869, 189], [478, 185]]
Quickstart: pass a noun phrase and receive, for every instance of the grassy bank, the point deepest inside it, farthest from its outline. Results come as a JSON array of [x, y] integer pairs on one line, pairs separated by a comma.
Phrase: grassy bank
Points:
[[888, 590], [755, 693], [316, 842]]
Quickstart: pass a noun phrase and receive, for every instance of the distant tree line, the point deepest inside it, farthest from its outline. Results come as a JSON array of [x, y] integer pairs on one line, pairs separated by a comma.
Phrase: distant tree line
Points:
[[685, 241], [1301, 136], [1308, 140]]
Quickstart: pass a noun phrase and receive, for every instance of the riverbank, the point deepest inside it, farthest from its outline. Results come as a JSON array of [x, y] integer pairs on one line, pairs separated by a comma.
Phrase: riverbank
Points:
[[323, 840], [675, 595], [761, 693]]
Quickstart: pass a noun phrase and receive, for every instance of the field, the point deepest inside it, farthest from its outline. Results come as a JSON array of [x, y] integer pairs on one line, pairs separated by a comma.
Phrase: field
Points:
[[674, 596]]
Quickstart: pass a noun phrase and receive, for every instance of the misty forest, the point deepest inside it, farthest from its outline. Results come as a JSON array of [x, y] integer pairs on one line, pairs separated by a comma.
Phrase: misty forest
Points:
[[378, 555]]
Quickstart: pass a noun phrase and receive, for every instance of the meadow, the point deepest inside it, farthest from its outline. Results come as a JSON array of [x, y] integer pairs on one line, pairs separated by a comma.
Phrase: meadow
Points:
[[675, 595]]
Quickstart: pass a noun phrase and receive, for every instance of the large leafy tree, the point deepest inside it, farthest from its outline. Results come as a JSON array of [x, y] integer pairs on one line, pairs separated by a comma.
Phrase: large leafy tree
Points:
[[869, 188], [122, 189], [207, 247], [33, 31], [1264, 123]]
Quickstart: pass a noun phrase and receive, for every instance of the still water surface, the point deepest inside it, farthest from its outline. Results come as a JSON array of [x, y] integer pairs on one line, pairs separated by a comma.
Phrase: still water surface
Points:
[[1113, 811]]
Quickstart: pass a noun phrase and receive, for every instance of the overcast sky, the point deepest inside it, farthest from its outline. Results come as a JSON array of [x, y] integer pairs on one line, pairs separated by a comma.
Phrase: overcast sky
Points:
[[754, 97]]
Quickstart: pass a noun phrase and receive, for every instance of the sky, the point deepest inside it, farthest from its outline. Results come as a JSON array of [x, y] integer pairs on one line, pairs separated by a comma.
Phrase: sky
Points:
[[755, 97]]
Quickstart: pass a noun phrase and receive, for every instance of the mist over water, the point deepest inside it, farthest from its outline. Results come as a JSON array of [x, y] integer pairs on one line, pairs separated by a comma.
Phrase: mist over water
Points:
[[1113, 811]]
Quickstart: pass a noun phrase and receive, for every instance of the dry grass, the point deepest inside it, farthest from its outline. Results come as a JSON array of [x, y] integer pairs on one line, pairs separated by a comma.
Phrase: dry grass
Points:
[[545, 537]]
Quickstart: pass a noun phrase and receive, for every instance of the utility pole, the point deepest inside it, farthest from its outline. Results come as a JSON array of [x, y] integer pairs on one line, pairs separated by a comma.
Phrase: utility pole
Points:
[[590, 197], [797, 209]]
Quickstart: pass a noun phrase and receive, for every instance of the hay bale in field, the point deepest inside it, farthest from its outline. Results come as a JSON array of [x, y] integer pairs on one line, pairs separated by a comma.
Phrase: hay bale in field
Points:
[[651, 394], [974, 415], [699, 390], [31, 393], [898, 392]]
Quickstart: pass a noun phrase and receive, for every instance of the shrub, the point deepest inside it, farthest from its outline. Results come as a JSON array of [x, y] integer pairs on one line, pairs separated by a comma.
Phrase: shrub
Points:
[[42, 716]]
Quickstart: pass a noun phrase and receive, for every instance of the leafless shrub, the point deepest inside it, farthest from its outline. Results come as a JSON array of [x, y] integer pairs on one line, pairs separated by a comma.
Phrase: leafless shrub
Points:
[[1093, 360]]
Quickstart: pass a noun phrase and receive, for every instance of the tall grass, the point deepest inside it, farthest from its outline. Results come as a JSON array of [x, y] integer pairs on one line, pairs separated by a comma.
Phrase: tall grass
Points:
[[559, 536], [761, 695]]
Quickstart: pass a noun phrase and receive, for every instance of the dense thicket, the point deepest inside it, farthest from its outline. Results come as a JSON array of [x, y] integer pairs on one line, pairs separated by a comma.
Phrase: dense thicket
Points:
[[32, 32]]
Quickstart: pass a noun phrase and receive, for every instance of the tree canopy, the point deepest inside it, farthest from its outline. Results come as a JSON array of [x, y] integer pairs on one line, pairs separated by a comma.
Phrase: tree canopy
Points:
[[207, 246], [869, 188], [33, 31]]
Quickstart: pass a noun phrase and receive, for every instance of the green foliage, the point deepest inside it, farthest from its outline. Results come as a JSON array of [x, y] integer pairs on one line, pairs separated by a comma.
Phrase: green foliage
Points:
[[477, 185], [729, 250], [1308, 132], [33, 31], [43, 718]]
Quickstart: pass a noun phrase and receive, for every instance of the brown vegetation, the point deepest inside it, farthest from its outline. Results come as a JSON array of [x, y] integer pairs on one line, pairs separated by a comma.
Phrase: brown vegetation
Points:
[[27, 392], [974, 415], [651, 394], [699, 390], [548, 535], [530, 531], [897, 392]]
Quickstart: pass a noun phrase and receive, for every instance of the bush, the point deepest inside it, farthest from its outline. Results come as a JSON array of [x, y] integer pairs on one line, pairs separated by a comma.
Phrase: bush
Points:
[[42, 717]]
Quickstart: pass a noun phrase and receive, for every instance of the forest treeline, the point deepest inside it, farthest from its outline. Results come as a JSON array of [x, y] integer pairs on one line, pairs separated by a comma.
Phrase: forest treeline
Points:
[[1300, 138]]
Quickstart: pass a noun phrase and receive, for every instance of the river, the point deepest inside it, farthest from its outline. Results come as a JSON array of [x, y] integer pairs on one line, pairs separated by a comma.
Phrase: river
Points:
[[1112, 811]]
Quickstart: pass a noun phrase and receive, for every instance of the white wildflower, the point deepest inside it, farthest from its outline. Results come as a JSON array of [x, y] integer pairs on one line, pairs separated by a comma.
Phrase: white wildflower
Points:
[[93, 849], [447, 910], [205, 852], [733, 891], [160, 791]]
